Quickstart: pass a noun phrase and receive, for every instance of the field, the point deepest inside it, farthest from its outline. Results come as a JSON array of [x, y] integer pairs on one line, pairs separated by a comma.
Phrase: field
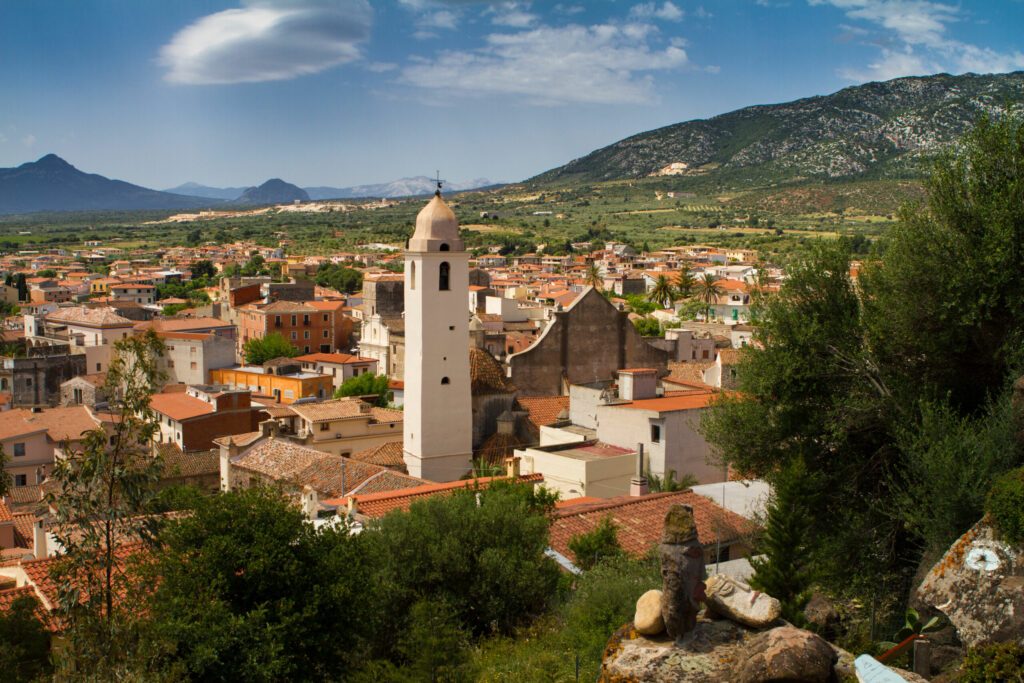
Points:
[[774, 220]]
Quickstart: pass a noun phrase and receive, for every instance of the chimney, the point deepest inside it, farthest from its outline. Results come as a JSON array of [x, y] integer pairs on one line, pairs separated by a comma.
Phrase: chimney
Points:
[[40, 547], [512, 467], [638, 484], [638, 383], [506, 423], [352, 507], [226, 454], [310, 502], [269, 428]]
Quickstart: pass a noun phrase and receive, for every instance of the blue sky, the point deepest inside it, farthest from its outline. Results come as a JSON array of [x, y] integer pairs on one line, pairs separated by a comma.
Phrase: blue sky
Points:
[[343, 92]]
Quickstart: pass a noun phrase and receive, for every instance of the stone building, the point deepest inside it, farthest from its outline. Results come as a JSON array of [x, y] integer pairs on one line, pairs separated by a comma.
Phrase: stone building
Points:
[[85, 390], [384, 295], [36, 380], [587, 342]]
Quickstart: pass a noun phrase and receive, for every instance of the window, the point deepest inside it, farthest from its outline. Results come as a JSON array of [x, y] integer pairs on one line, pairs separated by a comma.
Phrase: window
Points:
[[99, 367], [704, 354], [305, 335], [19, 450], [655, 433], [193, 365], [412, 275], [21, 480], [306, 349], [305, 320], [28, 381], [445, 380], [444, 277], [295, 320], [325, 317], [325, 426], [295, 335], [445, 247], [325, 334]]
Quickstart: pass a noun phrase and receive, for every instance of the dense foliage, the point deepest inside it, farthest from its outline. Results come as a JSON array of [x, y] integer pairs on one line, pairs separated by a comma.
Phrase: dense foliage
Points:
[[999, 663], [366, 384], [597, 545], [341, 278], [259, 350], [893, 390], [1006, 506], [24, 642]]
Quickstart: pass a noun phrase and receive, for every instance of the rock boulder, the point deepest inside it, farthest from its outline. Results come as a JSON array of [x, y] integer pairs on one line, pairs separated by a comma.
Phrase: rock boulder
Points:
[[979, 585], [786, 653], [648, 619]]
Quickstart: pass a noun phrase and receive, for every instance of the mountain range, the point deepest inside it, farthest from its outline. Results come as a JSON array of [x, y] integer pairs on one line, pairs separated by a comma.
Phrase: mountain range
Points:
[[403, 187], [52, 184], [881, 130]]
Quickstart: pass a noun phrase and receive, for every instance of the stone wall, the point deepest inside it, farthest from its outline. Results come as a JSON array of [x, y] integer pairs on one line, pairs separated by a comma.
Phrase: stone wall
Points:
[[587, 342]]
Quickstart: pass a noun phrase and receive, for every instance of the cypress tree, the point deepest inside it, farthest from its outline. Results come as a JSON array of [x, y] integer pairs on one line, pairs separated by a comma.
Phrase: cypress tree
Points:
[[783, 567]]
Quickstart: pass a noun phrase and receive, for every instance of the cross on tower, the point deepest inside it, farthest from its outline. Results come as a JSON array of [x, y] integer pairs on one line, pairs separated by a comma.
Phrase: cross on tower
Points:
[[437, 179]]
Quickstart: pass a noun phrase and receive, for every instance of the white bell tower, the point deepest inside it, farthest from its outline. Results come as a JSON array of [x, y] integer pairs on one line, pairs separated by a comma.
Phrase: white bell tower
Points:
[[438, 413]]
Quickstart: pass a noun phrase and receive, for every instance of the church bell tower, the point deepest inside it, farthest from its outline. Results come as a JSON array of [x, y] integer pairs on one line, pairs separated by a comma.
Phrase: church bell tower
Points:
[[438, 428]]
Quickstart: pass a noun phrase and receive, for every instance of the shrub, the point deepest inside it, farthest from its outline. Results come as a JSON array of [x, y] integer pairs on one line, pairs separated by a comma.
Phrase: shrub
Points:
[[592, 547], [999, 663], [1006, 505]]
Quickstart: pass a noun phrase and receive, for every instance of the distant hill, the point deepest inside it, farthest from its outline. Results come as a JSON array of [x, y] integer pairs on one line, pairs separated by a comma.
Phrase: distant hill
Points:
[[404, 187], [52, 184], [875, 130], [274, 191], [197, 190]]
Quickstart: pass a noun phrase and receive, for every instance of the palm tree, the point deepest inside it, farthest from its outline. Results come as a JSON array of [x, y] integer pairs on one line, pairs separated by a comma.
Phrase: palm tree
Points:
[[709, 293], [593, 277], [662, 293], [685, 283]]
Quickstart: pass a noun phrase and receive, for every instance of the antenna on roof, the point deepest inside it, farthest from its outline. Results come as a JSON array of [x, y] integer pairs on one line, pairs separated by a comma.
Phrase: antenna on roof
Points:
[[437, 179]]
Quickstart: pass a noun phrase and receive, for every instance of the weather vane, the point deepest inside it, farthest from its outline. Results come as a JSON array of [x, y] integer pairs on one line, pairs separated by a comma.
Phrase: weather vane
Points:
[[439, 182]]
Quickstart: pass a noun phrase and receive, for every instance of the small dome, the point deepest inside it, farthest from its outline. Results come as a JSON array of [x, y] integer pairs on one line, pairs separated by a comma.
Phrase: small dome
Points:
[[437, 229]]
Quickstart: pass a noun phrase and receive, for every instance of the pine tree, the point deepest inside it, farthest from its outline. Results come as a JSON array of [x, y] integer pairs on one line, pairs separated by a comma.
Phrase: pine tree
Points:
[[783, 567]]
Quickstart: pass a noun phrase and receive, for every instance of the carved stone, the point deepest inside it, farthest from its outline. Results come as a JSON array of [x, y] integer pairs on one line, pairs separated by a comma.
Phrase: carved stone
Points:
[[682, 572], [736, 600]]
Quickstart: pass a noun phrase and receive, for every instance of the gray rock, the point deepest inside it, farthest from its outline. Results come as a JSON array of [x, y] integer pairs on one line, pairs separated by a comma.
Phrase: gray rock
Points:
[[979, 585], [682, 572]]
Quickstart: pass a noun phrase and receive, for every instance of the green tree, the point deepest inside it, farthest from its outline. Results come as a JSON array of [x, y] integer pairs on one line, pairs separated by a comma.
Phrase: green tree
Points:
[[648, 327], [782, 567], [194, 237], [24, 642], [6, 481], [708, 292], [596, 545], [661, 293], [366, 385], [103, 490], [22, 285], [203, 269], [249, 590], [479, 552], [669, 482], [46, 272], [592, 277], [685, 283], [259, 350], [945, 307]]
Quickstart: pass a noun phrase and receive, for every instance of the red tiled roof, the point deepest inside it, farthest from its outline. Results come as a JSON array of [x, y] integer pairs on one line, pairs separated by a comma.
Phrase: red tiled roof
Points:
[[5, 513], [379, 504], [688, 401], [338, 358], [179, 406], [544, 410], [640, 519]]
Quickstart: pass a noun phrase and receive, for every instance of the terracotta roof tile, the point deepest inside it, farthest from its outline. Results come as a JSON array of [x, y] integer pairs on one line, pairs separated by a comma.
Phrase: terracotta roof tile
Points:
[[334, 409], [544, 410], [485, 373], [390, 455], [640, 521], [379, 504], [179, 406], [92, 317]]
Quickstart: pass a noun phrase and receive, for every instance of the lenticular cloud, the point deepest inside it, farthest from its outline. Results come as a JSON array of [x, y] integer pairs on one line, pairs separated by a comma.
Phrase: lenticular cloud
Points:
[[268, 40]]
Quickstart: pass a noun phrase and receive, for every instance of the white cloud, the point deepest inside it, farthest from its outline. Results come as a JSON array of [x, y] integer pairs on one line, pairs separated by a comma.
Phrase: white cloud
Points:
[[550, 66], [267, 40], [515, 18], [29, 140], [915, 40], [440, 19], [668, 11]]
